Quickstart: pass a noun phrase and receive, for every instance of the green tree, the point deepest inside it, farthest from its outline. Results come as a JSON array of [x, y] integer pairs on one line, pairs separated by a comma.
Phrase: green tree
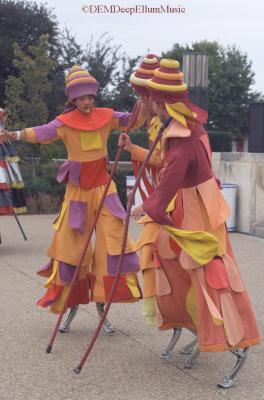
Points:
[[230, 85], [26, 94], [23, 23]]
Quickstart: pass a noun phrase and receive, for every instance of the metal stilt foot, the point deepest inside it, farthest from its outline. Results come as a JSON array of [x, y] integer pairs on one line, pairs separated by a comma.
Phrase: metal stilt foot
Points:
[[189, 348], [107, 327], [192, 357], [166, 354], [65, 327], [228, 380]]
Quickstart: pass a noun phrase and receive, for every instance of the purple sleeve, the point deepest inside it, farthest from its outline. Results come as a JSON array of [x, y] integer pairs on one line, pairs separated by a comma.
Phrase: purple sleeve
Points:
[[47, 132], [122, 117], [178, 160]]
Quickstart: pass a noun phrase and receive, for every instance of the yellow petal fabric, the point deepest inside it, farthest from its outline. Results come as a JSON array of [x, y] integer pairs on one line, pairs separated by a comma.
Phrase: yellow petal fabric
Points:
[[149, 310], [182, 109], [57, 222], [54, 272], [91, 140], [176, 115], [171, 204], [133, 286], [199, 245]]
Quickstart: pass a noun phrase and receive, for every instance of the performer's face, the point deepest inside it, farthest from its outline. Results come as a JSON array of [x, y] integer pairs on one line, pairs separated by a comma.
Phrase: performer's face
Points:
[[84, 104]]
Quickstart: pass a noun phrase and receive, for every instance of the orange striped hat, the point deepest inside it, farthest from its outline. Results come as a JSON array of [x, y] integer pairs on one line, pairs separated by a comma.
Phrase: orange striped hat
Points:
[[143, 73], [167, 87], [168, 80], [80, 83]]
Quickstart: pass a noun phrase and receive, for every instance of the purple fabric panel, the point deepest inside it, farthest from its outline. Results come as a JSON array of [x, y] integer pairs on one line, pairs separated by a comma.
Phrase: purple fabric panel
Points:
[[75, 172], [77, 215], [66, 272], [48, 131], [113, 203], [130, 264], [72, 168], [123, 117]]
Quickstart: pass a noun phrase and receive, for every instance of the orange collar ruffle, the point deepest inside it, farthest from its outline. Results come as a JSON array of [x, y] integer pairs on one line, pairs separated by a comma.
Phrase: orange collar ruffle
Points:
[[98, 118]]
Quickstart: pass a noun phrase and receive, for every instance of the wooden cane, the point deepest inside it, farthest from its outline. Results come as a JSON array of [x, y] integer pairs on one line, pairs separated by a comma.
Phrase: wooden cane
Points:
[[77, 269], [78, 369]]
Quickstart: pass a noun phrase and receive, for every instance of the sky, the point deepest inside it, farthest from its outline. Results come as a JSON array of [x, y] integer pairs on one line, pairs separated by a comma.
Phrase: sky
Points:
[[229, 22]]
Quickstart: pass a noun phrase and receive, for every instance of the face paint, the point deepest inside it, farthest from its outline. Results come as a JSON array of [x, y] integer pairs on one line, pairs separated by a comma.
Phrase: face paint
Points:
[[84, 104]]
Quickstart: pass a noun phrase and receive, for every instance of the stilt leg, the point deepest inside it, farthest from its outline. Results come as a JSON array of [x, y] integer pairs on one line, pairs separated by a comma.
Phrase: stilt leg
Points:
[[193, 356], [228, 380], [65, 327], [166, 354], [107, 327], [189, 347]]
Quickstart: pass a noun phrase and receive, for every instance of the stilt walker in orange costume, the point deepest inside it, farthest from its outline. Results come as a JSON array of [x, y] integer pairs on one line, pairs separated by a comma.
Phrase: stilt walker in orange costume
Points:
[[84, 129], [151, 230], [198, 283]]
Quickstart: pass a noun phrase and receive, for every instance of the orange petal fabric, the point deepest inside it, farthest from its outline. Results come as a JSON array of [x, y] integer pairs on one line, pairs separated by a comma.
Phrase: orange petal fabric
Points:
[[217, 209], [162, 284], [215, 274], [234, 328], [192, 219], [163, 245], [233, 274], [187, 262], [215, 313]]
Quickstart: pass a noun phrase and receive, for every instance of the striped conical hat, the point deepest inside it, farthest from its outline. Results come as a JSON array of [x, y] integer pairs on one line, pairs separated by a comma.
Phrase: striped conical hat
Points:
[[143, 73], [80, 83], [168, 79], [167, 85]]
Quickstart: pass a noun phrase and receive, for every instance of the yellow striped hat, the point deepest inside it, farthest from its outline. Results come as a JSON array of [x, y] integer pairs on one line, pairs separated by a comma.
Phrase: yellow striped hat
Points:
[[143, 73], [168, 78], [80, 83], [167, 86]]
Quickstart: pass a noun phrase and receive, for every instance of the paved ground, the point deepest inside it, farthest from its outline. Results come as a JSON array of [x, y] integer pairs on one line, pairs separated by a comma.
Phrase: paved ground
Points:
[[122, 366]]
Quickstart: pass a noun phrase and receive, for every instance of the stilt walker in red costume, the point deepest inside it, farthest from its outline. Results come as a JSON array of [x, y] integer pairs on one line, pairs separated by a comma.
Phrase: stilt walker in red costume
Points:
[[84, 129], [198, 283]]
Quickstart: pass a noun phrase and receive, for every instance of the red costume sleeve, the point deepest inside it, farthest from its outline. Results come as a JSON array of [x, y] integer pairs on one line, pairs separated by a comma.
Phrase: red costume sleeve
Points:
[[179, 162]]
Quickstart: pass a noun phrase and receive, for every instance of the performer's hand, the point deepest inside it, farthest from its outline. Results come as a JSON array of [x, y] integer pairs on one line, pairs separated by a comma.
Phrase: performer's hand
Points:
[[137, 212], [5, 135], [124, 140]]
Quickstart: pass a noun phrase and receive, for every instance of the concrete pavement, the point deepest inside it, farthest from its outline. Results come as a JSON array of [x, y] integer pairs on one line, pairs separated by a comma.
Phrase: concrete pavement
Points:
[[122, 366]]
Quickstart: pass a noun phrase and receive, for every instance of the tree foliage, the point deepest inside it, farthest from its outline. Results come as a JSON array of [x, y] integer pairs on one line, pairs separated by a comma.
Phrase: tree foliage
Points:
[[23, 23], [230, 84], [27, 93]]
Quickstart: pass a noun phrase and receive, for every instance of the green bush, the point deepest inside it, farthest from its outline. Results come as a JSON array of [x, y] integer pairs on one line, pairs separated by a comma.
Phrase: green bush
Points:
[[220, 141], [120, 181], [139, 137]]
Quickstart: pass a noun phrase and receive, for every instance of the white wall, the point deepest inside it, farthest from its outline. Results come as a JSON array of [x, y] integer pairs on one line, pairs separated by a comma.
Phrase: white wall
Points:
[[247, 171]]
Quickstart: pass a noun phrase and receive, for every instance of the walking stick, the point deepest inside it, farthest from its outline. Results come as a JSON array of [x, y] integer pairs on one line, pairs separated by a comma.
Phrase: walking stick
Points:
[[77, 269], [78, 369], [20, 227]]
